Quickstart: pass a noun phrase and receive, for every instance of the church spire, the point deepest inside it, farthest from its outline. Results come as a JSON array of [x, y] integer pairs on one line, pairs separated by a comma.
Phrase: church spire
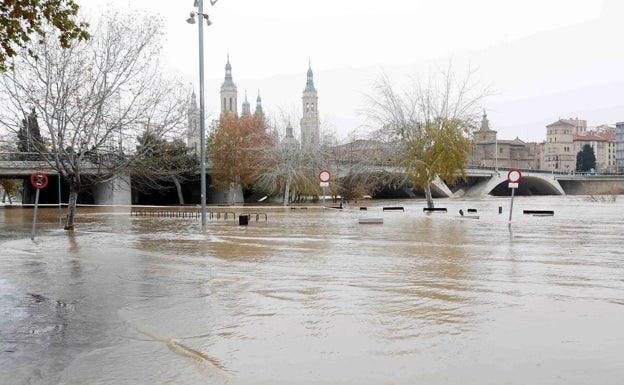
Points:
[[229, 92], [310, 82], [259, 110], [228, 82], [485, 123], [310, 132], [246, 106]]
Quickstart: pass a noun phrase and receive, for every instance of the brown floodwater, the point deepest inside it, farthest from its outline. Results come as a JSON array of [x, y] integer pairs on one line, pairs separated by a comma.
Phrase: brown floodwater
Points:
[[314, 297]]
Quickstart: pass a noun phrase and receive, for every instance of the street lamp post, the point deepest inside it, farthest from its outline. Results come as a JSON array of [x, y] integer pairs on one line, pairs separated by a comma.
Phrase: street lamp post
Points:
[[202, 128]]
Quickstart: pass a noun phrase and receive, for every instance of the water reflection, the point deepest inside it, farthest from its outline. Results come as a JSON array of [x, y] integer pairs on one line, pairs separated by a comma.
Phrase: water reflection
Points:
[[316, 298]]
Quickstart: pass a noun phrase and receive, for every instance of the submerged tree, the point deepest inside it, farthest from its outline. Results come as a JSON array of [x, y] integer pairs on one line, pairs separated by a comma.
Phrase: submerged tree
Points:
[[365, 168], [25, 20], [163, 160], [586, 159], [290, 169], [93, 98], [428, 126], [10, 188]]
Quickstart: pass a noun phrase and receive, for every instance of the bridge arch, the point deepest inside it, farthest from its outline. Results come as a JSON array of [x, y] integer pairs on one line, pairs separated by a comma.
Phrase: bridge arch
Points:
[[532, 183]]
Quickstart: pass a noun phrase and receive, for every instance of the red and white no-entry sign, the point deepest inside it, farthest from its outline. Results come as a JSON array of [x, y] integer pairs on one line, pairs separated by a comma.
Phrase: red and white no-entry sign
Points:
[[514, 175], [324, 176]]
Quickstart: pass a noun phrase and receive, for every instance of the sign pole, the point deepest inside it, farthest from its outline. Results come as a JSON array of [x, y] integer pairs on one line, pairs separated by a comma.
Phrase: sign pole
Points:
[[513, 177], [324, 177], [60, 209], [323, 202], [511, 206], [39, 180], [34, 226]]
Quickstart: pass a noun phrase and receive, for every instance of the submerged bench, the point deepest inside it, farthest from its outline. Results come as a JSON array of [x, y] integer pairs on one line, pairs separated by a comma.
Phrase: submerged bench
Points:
[[539, 212], [258, 216], [393, 208], [370, 221], [434, 209]]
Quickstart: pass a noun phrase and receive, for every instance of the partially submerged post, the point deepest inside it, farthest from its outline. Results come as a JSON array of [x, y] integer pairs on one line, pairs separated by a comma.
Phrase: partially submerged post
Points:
[[513, 177], [324, 177], [39, 180]]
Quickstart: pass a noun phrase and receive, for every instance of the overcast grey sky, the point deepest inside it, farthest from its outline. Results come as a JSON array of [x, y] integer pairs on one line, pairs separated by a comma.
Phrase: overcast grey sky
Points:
[[543, 59]]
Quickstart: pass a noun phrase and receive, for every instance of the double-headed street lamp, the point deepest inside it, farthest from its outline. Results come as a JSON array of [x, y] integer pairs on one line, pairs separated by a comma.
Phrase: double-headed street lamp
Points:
[[202, 132]]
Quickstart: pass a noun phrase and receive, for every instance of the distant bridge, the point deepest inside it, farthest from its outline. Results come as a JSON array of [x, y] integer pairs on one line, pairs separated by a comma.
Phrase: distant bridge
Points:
[[480, 180], [493, 181]]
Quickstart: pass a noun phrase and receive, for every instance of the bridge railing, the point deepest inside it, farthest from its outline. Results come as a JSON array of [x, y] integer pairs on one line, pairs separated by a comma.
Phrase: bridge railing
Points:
[[24, 156]]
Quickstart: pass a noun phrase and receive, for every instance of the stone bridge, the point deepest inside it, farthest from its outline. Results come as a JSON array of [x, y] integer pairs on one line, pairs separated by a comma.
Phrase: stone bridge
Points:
[[484, 181], [493, 181], [480, 180]]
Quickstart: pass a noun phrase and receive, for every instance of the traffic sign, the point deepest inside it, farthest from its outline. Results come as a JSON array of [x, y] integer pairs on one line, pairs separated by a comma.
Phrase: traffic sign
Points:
[[514, 176], [324, 176], [39, 179]]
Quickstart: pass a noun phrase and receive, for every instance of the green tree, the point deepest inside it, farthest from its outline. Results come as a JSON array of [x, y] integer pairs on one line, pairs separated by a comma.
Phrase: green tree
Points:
[[428, 126], [22, 20], [29, 136], [586, 159]]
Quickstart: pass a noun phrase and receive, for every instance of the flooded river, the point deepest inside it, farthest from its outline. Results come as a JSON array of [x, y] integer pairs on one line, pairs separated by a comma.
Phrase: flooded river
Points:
[[313, 297]]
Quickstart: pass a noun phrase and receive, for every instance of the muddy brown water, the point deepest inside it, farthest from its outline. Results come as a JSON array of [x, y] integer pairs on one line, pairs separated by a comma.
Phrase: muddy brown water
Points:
[[314, 297]]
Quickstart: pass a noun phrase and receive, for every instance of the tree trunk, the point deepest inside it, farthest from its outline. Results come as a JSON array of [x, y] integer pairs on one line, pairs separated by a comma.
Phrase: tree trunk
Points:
[[71, 207], [428, 196], [179, 188], [287, 191]]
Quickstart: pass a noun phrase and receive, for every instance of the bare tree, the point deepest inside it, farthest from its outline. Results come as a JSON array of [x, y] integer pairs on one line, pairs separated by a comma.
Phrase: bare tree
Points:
[[428, 126], [290, 169], [94, 99], [365, 167]]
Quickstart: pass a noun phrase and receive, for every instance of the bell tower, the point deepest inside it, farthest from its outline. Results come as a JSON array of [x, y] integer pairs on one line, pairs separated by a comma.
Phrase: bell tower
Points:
[[229, 93], [310, 134]]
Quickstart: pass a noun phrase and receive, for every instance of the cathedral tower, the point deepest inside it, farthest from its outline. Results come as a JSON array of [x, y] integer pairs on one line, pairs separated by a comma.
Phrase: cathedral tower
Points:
[[229, 93], [310, 134]]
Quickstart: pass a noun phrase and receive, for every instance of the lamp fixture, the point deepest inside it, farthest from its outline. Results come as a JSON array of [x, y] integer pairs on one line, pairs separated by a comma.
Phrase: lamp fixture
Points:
[[196, 3], [191, 19]]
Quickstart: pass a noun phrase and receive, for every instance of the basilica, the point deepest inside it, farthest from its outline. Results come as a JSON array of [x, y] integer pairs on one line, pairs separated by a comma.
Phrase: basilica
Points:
[[309, 123]]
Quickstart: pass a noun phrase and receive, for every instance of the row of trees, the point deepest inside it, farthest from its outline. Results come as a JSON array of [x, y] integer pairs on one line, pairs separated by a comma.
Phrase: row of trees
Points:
[[423, 133], [246, 151], [97, 98]]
